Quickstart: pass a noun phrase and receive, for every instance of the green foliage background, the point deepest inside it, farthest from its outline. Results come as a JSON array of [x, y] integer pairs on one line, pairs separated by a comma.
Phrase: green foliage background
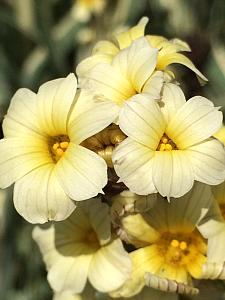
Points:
[[41, 40]]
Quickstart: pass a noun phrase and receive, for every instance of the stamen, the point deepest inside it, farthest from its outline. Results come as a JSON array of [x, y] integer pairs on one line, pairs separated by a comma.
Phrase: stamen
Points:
[[174, 243], [183, 245], [57, 146], [166, 144]]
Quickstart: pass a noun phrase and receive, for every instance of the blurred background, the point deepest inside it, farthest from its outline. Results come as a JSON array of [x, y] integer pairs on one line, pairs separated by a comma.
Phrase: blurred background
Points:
[[44, 39]]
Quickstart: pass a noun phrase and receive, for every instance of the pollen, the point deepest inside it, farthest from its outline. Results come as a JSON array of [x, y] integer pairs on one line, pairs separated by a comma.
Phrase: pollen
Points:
[[166, 144], [57, 146]]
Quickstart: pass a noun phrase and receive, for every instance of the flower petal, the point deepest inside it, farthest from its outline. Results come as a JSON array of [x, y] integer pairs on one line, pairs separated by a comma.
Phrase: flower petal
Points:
[[125, 38], [133, 164], [172, 99], [166, 59], [69, 273], [104, 80], [142, 120], [140, 59], [38, 197], [19, 156], [186, 127], [55, 99], [172, 173], [81, 172], [208, 161], [110, 267], [90, 116], [105, 47], [153, 85], [21, 118]]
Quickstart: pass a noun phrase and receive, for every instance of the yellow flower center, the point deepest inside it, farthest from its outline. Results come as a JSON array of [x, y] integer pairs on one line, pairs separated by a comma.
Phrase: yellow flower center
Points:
[[166, 144], [58, 145], [184, 251], [104, 142]]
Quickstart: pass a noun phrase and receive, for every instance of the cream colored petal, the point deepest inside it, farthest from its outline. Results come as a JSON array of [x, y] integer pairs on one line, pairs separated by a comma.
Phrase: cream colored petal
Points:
[[184, 212], [142, 120], [140, 62], [172, 99], [107, 81], [89, 63], [95, 117], [125, 38], [20, 156], [153, 85], [105, 47], [55, 99], [144, 260], [67, 296], [81, 172], [21, 119], [38, 196], [172, 173], [186, 127], [208, 161], [171, 58], [44, 236], [69, 273], [110, 267], [133, 164], [156, 41], [100, 220]]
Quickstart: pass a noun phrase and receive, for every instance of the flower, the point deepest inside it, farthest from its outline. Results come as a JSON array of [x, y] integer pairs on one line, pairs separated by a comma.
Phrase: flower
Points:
[[83, 9], [130, 72], [172, 245], [168, 54], [41, 151], [82, 248], [169, 144]]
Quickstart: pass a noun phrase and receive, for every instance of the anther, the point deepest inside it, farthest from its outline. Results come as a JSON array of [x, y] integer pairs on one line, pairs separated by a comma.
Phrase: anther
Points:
[[183, 246], [168, 147], [175, 243], [64, 145], [59, 151], [55, 146]]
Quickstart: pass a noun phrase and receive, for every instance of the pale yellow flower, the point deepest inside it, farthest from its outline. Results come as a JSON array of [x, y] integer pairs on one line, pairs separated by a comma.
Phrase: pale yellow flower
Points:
[[168, 54], [131, 71], [220, 135], [169, 144], [41, 151], [84, 9], [176, 241], [82, 248]]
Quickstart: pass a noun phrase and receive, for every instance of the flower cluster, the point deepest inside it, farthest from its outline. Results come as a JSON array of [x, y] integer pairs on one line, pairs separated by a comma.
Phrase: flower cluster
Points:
[[133, 170]]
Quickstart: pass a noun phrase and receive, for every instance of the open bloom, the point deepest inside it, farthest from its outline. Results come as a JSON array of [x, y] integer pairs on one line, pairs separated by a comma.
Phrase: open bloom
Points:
[[171, 246], [131, 71], [169, 50], [41, 151], [81, 248], [169, 144]]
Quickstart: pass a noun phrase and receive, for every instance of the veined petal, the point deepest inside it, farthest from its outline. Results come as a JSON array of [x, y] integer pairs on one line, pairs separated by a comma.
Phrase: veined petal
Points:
[[133, 164], [69, 273], [81, 172], [167, 59], [94, 117], [55, 99], [144, 260], [87, 64], [110, 267], [49, 203], [125, 38], [142, 120], [172, 99], [140, 61], [153, 85], [104, 80], [172, 173], [186, 127], [20, 156], [208, 161], [21, 118]]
